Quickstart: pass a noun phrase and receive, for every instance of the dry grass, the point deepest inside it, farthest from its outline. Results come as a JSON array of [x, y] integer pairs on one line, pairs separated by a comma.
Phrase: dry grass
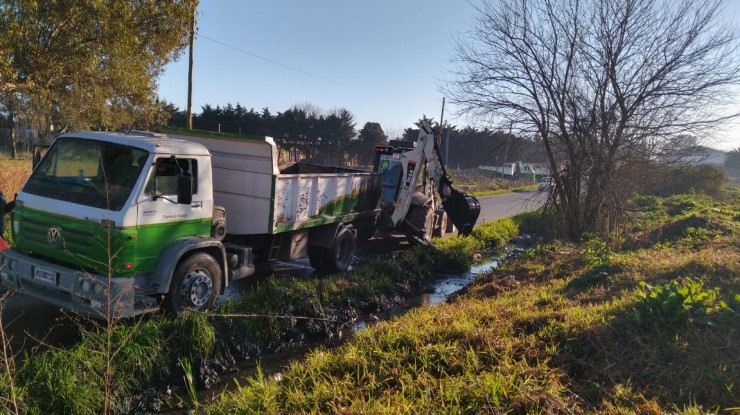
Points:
[[13, 173]]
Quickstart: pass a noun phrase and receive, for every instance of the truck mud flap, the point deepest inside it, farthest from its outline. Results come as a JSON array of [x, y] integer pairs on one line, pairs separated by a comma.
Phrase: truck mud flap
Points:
[[463, 210]]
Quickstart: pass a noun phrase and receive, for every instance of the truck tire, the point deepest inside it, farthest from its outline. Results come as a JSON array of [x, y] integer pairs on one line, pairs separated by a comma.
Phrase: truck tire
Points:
[[196, 284], [338, 257]]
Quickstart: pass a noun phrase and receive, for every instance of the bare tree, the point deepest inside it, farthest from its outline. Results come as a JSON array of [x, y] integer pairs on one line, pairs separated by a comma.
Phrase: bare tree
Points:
[[608, 85]]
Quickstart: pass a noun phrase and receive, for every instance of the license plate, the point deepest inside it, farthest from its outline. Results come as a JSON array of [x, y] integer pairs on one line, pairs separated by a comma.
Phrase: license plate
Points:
[[45, 275]]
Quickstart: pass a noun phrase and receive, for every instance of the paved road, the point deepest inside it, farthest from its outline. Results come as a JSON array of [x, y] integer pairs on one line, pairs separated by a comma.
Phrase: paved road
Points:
[[509, 204]]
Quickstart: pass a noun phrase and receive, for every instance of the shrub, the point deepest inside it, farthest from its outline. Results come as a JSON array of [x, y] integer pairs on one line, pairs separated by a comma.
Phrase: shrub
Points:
[[678, 303], [538, 222]]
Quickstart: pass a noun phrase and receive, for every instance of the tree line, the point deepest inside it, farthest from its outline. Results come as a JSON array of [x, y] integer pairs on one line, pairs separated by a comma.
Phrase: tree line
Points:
[[306, 133]]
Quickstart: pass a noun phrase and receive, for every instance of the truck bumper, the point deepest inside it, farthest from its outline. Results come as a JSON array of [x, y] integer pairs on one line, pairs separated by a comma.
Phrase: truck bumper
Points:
[[78, 291]]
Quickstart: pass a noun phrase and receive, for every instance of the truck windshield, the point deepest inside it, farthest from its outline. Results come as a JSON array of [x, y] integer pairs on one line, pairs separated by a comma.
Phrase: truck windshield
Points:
[[88, 172]]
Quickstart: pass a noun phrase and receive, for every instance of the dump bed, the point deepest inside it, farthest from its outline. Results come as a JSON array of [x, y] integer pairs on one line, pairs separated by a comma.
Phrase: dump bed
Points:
[[261, 197]]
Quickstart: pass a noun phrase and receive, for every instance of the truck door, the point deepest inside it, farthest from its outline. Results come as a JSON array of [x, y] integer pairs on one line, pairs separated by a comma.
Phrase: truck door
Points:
[[161, 219]]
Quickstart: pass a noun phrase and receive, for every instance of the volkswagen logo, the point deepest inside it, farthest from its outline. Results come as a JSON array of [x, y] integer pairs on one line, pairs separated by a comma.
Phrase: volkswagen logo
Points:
[[54, 236]]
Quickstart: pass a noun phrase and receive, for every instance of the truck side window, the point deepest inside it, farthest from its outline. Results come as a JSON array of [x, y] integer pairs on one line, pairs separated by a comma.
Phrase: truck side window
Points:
[[163, 180]]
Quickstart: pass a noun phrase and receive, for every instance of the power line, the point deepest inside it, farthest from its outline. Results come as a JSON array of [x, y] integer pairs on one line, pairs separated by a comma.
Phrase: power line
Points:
[[272, 61]]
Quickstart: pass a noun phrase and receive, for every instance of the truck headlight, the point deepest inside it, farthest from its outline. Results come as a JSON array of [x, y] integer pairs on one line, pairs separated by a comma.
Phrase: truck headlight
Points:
[[86, 286], [98, 289], [16, 225]]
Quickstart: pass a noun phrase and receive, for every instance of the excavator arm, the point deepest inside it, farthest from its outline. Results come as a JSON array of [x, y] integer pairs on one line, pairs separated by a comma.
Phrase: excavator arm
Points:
[[424, 198]]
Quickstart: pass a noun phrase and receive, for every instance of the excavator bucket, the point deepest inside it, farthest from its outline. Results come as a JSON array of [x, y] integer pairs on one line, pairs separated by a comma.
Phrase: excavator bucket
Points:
[[462, 210]]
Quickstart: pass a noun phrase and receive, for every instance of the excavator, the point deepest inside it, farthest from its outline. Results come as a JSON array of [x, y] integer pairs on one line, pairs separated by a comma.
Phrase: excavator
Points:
[[418, 198]]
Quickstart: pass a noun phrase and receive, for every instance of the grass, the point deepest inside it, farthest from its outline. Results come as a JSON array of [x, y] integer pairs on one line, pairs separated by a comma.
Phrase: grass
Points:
[[144, 352], [499, 191], [568, 329]]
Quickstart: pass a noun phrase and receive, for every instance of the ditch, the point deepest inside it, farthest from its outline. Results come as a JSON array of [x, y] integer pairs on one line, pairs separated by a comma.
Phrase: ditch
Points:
[[441, 289]]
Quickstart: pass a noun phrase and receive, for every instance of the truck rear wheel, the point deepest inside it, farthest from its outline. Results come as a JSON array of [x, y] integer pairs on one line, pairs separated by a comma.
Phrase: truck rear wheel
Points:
[[196, 284], [338, 257]]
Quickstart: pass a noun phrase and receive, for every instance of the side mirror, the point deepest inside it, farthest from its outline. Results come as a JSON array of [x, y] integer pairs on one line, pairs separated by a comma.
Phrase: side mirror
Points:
[[184, 190]]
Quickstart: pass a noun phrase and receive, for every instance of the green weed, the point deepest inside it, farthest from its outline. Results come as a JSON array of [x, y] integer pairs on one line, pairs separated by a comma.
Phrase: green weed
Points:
[[677, 303], [189, 380], [195, 335], [71, 380], [537, 222], [495, 234]]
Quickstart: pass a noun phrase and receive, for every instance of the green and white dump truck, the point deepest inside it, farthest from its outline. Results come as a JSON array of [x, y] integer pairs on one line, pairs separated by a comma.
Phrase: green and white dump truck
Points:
[[118, 224]]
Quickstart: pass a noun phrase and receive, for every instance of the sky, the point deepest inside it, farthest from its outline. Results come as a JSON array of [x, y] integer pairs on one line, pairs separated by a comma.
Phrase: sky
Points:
[[383, 60]]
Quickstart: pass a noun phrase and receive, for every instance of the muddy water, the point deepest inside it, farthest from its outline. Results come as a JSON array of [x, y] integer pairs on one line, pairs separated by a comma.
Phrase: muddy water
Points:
[[451, 284], [32, 324], [438, 292]]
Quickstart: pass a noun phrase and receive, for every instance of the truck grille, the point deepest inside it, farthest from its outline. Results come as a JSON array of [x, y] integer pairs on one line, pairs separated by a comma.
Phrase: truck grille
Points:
[[36, 230]]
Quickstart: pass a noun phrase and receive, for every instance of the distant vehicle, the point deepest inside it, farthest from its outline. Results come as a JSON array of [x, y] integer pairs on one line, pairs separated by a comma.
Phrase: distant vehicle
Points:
[[511, 171], [545, 183]]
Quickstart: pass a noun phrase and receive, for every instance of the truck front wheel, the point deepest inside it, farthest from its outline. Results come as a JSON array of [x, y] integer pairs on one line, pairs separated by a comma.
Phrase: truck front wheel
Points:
[[195, 285]]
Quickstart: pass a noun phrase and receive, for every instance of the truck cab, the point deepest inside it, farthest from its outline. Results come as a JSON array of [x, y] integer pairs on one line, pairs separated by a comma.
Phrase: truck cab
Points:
[[97, 214]]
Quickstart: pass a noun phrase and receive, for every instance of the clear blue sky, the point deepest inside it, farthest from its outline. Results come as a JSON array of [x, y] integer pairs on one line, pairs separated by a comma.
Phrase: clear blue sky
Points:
[[380, 59]]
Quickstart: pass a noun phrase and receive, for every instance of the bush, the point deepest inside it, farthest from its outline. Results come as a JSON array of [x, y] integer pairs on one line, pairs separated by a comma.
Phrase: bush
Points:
[[537, 222], [706, 179]]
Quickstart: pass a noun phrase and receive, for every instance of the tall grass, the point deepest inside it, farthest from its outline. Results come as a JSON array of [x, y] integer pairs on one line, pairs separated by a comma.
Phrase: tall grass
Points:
[[72, 380]]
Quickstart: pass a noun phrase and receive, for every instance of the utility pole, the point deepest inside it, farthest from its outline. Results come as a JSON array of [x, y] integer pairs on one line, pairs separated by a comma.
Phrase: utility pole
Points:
[[189, 114], [441, 123]]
